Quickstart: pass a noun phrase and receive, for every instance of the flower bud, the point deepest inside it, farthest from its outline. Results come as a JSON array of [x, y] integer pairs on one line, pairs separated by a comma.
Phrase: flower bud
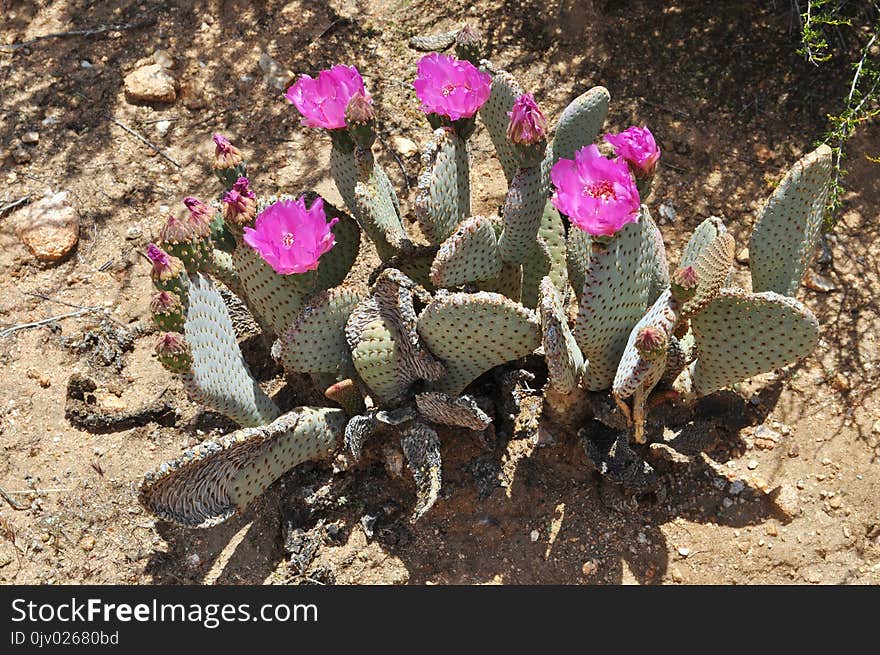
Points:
[[684, 283], [651, 342], [173, 352]]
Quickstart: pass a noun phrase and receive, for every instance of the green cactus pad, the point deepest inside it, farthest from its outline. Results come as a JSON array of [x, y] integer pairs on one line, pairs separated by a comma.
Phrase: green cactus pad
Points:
[[739, 335], [493, 113], [508, 283], [521, 213], [462, 411], [552, 231], [220, 378], [421, 448], [274, 299], [379, 218], [535, 269], [216, 479], [565, 362], [473, 333], [635, 371], [433, 42], [615, 296], [713, 268], [705, 234], [469, 255], [579, 125], [578, 247], [385, 347], [659, 264], [784, 238], [224, 271], [315, 341], [443, 198], [334, 266]]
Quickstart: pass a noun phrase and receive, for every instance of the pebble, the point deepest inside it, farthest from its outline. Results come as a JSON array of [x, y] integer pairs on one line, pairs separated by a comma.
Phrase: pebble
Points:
[[406, 147], [590, 567], [534, 536], [150, 84], [163, 58], [87, 543], [667, 212], [736, 487], [162, 127], [787, 501], [21, 156], [48, 227], [841, 383], [816, 282], [753, 464], [876, 427], [765, 438], [743, 256], [85, 63], [134, 232], [30, 138], [835, 502], [684, 551]]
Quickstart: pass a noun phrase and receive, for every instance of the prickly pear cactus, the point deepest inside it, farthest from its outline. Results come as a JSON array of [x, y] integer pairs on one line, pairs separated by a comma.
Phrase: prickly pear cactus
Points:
[[784, 240]]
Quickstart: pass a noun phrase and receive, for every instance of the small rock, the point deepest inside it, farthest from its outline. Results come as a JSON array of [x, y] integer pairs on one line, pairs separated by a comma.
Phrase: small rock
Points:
[[743, 256], [134, 232], [794, 450], [150, 84], [684, 551], [534, 536], [162, 127], [841, 383], [5, 560], [876, 427], [193, 560], [21, 156], [406, 147], [785, 497], [752, 465], [835, 502], [816, 282], [37, 546], [677, 575], [163, 58], [667, 212], [192, 92], [736, 487], [368, 523], [590, 567], [765, 438], [30, 138], [87, 543], [85, 63], [48, 227]]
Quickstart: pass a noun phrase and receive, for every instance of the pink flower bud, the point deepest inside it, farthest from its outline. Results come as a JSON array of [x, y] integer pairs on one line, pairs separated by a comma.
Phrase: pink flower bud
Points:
[[636, 145], [527, 124]]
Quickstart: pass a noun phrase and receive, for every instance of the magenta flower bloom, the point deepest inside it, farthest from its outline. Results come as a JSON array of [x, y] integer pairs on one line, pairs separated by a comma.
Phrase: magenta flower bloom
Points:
[[637, 146], [451, 87], [527, 124], [597, 194], [291, 238], [322, 101]]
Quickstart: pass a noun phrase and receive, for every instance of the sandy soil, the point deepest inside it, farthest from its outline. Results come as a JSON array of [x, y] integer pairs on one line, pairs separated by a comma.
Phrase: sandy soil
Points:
[[732, 107]]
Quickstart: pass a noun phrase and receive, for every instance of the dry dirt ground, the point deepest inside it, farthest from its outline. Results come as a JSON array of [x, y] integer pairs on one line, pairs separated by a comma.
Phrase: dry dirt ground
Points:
[[732, 107]]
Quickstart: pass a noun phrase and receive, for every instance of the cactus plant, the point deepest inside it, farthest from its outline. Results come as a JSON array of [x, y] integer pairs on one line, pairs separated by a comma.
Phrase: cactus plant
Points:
[[573, 269]]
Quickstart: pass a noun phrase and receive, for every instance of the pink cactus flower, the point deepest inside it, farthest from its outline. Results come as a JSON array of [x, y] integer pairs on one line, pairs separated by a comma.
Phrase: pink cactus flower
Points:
[[226, 155], [597, 194], [636, 145], [451, 87], [322, 101], [291, 238], [527, 124], [158, 256]]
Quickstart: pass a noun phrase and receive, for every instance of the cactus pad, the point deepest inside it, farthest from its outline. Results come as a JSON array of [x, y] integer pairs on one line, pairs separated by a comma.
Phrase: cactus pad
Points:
[[522, 213], [784, 239], [469, 255], [635, 370], [315, 341], [219, 377], [212, 481], [473, 333], [578, 247], [334, 266], [505, 90], [443, 198], [739, 335], [357, 431], [448, 410], [565, 362], [705, 233], [615, 296], [579, 124], [712, 268]]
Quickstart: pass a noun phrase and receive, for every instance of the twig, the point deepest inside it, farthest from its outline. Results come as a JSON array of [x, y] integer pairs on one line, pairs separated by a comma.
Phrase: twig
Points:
[[672, 110], [12, 502], [154, 148], [46, 321], [102, 29], [24, 492], [12, 205]]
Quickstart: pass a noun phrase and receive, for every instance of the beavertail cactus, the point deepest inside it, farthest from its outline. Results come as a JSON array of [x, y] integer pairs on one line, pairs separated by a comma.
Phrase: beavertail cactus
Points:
[[573, 269]]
